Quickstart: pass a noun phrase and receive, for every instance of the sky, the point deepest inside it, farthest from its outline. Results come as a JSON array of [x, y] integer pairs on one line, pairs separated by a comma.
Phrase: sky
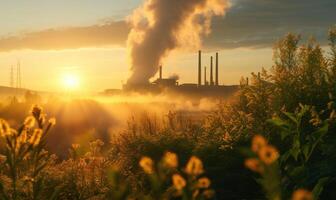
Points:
[[88, 38]]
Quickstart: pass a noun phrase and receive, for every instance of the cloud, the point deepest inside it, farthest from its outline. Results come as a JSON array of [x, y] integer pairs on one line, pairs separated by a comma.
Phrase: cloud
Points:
[[248, 24], [259, 23], [107, 34]]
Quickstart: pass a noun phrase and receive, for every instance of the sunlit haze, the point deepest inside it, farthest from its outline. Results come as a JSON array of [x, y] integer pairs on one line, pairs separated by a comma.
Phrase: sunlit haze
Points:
[[72, 33], [167, 99], [71, 81]]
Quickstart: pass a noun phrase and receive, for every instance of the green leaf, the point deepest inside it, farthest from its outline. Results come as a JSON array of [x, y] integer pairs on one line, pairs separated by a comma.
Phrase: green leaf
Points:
[[306, 151], [319, 187], [297, 173], [291, 117], [277, 122], [319, 133]]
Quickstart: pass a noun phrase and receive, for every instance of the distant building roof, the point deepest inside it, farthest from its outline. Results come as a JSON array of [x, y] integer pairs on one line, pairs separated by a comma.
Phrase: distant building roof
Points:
[[167, 82]]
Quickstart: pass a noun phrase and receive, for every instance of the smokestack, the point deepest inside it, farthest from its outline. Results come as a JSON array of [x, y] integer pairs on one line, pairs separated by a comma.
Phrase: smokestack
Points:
[[159, 27], [211, 71], [160, 72], [216, 68], [205, 76], [199, 68]]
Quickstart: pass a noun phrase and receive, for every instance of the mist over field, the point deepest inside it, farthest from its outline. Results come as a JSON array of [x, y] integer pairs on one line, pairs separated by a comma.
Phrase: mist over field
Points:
[[83, 119]]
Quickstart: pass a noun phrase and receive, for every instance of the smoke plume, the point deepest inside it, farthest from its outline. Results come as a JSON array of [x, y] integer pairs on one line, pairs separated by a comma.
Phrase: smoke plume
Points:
[[159, 26]]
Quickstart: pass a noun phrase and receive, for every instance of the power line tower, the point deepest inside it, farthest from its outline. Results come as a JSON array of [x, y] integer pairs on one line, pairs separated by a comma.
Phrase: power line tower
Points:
[[11, 83], [18, 75]]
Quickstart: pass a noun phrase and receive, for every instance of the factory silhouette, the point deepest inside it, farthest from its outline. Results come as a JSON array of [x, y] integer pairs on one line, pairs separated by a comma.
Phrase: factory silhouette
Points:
[[206, 88]]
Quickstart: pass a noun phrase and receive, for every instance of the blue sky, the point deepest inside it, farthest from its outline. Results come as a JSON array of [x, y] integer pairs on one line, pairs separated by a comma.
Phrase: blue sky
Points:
[[28, 15]]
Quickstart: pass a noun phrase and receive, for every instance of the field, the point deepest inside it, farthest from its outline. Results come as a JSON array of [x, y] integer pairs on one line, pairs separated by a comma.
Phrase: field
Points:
[[275, 139]]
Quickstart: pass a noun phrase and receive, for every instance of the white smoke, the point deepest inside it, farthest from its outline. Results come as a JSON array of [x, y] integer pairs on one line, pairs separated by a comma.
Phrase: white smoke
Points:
[[159, 26]]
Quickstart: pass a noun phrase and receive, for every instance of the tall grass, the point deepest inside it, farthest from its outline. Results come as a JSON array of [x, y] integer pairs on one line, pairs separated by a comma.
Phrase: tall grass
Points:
[[274, 141]]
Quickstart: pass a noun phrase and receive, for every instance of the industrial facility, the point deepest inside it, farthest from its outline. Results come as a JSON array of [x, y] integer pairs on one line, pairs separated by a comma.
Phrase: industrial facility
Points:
[[208, 87]]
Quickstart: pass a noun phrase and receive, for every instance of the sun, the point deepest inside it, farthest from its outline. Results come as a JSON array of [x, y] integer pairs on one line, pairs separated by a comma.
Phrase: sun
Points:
[[70, 81]]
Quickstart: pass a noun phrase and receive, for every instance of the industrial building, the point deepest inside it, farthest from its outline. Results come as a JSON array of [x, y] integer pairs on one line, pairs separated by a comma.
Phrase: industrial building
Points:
[[205, 88], [213, 80]]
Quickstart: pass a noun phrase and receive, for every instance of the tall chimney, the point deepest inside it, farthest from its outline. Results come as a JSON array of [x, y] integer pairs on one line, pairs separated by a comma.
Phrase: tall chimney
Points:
[[211, 71], [199, 68], [160, 72], [205, 76], [216, 68]]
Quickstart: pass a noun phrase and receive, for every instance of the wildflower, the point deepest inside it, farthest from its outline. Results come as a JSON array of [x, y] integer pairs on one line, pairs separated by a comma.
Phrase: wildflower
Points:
[[75, 146], [254, 165], [178, 182], [52, 121], [194, 166], [82, 163], [36, 111], [27, 157], [23, 136], [88, 154], [268, 154], [204, 182], [4, 128], [302, 194], [96, 144], [36, 137], [170, 159], [3, 159], [28, 179], [21, 139], [227, 137], [147, 164], [29, 122], [315, 121], [258, 142]]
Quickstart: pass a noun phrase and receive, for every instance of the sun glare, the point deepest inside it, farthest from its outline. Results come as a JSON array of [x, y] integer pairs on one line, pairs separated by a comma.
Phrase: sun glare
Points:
[[70, 81]]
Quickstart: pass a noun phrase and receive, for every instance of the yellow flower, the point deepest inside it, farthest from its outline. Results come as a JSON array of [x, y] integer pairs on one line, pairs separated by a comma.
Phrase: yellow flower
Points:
[[302, 194], [170, 159], [4, 128], [254, 165], [147, 164], [36, 137], [24, 136], [52, 121], [21, 139], [258, 142], [27, 179], [75, 146], [36, 110], [204, 182], [194, 166], [268, 154], [29, 122], [178, 182]]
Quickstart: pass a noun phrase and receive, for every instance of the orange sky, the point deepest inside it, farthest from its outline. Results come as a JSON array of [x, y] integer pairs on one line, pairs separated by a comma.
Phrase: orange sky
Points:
[[101, 68], [88, 39]]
